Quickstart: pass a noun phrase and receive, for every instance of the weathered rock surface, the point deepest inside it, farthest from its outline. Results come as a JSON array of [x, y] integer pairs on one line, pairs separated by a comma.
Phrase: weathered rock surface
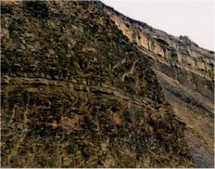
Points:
[[76, 93], [186, 73], [179, 52]]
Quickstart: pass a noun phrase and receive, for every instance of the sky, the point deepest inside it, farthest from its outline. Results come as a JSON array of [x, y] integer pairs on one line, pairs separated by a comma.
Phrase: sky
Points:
[[192, 18]]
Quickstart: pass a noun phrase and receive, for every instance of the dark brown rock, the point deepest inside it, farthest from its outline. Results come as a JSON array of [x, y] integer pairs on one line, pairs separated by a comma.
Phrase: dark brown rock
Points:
[[97, 103]]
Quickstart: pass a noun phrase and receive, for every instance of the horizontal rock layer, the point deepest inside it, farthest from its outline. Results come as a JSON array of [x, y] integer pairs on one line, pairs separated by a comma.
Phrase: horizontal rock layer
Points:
[[76, 93]]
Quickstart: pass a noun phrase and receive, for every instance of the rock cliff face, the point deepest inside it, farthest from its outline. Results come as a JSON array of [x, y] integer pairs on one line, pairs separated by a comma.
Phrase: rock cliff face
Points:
[[186, 73], [76, 93], [179, 52]]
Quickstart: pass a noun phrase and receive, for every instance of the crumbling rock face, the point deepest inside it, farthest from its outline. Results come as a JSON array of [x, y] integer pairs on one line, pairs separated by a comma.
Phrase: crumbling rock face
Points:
[[179, 53], [62, 124], [186, 73], [76, 93]]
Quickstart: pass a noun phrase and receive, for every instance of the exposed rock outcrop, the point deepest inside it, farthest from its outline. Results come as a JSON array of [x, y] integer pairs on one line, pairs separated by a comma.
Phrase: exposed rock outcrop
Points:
[[77, 93], [186, 74], [180, 52]]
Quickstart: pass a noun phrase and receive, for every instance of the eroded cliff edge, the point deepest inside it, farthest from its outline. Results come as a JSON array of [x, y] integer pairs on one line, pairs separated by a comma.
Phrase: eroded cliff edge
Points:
[[179, 52], [76, 93], [186, 74]]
